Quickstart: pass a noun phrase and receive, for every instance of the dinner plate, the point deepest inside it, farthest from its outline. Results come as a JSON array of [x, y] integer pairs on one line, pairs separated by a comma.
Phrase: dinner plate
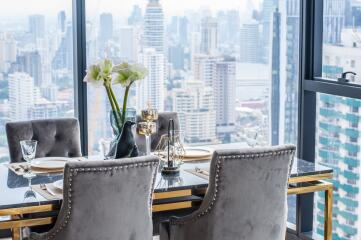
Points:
[[50, 162], [58, 184], [197, 152]]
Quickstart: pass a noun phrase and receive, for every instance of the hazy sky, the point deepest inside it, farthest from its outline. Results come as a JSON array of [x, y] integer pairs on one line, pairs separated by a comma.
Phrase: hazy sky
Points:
[[20, 8]]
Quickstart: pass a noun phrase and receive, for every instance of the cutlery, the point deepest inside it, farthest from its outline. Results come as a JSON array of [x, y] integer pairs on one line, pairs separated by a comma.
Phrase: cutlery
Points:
[[44, 187], [198, 170]]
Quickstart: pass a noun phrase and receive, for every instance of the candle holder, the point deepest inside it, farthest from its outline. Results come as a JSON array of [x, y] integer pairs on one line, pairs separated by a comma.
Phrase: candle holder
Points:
[[171, 148], [147, 129], [148, 126]]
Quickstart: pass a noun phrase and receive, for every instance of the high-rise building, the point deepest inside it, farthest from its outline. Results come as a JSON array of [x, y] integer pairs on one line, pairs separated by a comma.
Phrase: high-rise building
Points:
[[219, 73], [154, 26], [129, 45], [63, 58], [136, 16], [249, 42], [36, 27], [29, 61], [333, 20], [61, 21], [268, 8], [194, 103], [209, 35], [338, 140], [276, 78], [176, 56], [290, 50], [151, 90], [224, 88], [22, 95], [105, 30]]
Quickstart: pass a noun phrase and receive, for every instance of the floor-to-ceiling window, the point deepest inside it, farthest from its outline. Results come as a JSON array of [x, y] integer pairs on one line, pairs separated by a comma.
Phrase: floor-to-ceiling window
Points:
[[36, 62], [338, 134], [230, 68]]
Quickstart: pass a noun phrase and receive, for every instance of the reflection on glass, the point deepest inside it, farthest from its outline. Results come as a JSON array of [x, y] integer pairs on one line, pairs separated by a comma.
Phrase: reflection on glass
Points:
[[338, 147], [30, 196], [341, 39]]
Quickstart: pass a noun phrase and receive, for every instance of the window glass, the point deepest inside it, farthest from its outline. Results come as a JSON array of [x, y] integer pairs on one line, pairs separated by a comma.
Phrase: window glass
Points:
[[338, 147], [36, 62], [341, 39], [230, 68]]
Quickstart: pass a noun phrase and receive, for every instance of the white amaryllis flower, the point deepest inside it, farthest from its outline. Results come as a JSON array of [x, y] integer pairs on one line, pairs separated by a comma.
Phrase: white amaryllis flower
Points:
[[92, 75], [100, 74], [126, 74]]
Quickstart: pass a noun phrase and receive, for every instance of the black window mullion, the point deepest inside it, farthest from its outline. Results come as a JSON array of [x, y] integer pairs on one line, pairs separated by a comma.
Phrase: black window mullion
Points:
[[80, 91]]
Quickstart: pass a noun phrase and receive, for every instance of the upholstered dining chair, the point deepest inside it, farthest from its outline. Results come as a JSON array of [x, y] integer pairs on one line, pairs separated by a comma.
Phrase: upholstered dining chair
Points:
[[245, 200], [162, 128], [106, 200], [56, 137]]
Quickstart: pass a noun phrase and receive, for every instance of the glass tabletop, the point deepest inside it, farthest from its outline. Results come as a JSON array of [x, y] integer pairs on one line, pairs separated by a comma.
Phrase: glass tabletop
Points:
[[13, 188]]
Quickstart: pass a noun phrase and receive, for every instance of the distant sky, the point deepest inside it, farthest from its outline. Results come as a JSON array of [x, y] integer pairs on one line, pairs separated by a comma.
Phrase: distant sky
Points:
[[13, 8]]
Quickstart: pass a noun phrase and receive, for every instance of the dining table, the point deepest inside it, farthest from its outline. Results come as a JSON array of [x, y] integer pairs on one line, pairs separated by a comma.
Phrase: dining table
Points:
[[20, 208]]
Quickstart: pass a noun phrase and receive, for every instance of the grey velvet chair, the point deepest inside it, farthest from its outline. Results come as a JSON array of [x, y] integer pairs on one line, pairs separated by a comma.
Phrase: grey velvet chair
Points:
[[162, 128], [56, 137], [246, 198], [108, 200]]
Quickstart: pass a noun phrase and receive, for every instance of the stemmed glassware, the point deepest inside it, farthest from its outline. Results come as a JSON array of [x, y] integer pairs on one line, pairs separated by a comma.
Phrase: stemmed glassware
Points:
[[28, 149], [105, 149]]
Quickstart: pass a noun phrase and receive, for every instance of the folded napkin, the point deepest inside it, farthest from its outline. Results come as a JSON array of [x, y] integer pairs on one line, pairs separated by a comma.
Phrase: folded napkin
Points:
[[48, 191]]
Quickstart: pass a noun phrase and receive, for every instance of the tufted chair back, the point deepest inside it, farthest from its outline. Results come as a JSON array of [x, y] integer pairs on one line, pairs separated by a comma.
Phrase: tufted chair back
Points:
[[162, 128], [106, 200], [56, 137], [246, 198]]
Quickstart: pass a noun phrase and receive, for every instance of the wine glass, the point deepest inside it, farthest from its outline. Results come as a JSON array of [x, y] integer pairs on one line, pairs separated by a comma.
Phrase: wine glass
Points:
[[28, 149], [106, 149]]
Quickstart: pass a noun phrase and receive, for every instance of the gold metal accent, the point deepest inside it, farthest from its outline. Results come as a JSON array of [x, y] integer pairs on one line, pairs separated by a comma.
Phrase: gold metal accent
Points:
[[171, 206], [310, 178], [11, 224], [24, 210], [172, 194]]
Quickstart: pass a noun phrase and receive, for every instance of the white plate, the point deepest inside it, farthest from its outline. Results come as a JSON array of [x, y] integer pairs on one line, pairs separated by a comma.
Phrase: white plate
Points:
[[50, 162], [58, 184], [197, 152]]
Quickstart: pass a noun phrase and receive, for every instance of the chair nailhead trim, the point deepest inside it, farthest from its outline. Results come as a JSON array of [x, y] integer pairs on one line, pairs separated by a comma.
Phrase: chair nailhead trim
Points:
[[73, 171], [217, 181]]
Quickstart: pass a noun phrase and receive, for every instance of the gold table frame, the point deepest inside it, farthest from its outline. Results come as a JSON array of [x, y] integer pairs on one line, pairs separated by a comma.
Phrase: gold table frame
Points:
[[176, 200]]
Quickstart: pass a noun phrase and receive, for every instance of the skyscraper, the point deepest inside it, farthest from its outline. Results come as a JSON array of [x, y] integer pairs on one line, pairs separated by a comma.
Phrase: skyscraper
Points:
[[36, 27], [22, 95], [154, 26], [136, 17], [249, 42], [224, 88], [151, 90], [333, 20], [129, 45], [219, 73], [291, 51], [105, 30], [338, 140], [276, 78], [209, 35], [61, 21], [194, 103], [268, 8], [29, 62]]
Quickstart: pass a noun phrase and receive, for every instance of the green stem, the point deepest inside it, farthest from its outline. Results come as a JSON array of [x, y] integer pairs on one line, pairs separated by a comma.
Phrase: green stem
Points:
[[111, 101], [115, 100], [125, 100]]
